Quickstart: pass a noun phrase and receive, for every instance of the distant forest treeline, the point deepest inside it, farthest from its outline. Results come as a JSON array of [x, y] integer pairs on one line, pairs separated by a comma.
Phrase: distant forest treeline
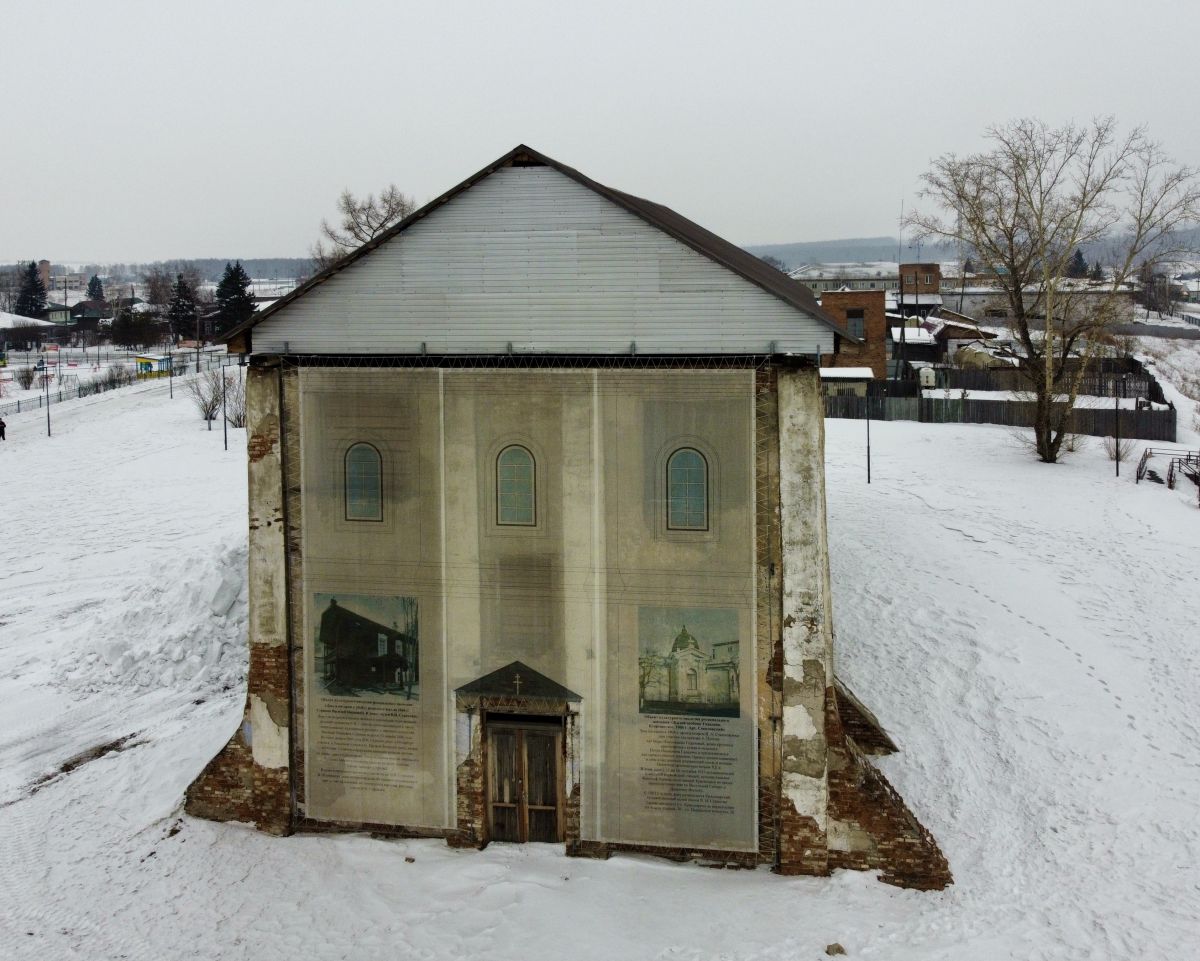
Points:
[[209, 268]]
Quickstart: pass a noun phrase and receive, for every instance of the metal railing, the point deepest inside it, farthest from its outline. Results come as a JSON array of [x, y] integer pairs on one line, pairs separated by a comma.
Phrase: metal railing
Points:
[[1188, 465], [1149, 452], [1185, 462], [101, 386]]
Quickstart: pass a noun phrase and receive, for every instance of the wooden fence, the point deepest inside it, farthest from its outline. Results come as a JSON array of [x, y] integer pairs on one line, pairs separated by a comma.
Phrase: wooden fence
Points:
[[1108, 377], [1096, 422]]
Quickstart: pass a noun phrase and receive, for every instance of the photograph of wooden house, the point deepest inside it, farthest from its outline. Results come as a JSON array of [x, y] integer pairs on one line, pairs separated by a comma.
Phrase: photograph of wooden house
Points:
[[357, 655]]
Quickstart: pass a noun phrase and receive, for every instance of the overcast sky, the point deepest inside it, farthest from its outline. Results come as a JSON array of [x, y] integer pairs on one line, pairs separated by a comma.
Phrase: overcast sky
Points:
[[136, 131]]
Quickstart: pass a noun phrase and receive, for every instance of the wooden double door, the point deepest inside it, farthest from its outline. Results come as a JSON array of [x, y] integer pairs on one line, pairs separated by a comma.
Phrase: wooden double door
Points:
[[525, 782]]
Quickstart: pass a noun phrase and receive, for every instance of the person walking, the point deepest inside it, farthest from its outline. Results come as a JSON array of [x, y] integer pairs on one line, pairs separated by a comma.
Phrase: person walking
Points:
[[2, 426]]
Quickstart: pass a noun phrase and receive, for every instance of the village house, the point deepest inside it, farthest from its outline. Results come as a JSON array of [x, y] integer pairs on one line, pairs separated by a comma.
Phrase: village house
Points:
[[860, 275], [58, 314], [920, 289], [537, 546], [861, 315]]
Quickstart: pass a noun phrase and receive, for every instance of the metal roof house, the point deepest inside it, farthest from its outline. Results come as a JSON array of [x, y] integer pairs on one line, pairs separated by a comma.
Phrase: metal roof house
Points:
[[539, 431]]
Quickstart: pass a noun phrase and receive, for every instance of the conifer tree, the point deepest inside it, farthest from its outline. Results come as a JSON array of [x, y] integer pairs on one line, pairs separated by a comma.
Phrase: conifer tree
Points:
[[181, 313], [1097, 272], [1077, 267], [95, 289], [31, 298], [123, 328], [234, 302]]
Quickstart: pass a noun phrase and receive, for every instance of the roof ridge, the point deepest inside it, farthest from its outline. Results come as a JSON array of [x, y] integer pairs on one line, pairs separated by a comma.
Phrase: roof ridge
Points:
[[688, 232]]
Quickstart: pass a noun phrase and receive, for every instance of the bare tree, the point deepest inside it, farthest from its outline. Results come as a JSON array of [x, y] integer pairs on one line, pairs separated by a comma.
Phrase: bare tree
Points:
[[235, 399], [1024, 206], [205, 389], [361, 222], [158, 281], [651, 672], [10, 285]]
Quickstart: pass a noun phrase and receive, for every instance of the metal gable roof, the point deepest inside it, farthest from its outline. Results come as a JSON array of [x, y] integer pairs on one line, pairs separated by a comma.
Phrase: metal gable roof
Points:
[[691, 234]]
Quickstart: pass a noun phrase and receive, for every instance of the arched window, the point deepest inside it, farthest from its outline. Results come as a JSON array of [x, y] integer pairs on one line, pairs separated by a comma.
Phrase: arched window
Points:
[[687, 491], [515, 493], [364, 484]]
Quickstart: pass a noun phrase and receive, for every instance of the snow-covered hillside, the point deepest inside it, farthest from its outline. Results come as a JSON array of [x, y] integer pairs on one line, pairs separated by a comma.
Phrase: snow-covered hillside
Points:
[[1026, 632]]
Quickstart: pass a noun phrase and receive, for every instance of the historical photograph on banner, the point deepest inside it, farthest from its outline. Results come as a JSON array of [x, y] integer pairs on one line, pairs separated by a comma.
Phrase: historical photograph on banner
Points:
[[367, 645], [688, 661], [366, 758]]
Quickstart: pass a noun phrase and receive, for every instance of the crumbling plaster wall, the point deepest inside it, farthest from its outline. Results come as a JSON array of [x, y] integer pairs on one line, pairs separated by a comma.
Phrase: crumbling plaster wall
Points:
[[249, 780], [807, 663]]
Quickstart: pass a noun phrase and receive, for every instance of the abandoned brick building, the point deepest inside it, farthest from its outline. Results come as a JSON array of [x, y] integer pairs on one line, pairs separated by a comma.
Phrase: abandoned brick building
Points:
[[537, 546]]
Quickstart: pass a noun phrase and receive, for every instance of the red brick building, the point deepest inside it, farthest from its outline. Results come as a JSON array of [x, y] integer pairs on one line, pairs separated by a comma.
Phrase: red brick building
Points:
[[920, 289], [862, 315]]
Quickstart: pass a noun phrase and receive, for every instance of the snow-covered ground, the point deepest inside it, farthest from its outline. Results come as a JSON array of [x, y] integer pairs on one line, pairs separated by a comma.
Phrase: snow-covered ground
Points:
[[1176, 365], [1026, 632]]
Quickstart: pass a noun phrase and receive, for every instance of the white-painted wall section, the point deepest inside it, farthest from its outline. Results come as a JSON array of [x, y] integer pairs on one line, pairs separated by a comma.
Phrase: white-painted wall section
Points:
[[529, 257]]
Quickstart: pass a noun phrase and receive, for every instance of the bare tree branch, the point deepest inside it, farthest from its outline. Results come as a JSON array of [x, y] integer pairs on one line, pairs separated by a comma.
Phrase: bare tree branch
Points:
[[1026, 204], [361, 222]]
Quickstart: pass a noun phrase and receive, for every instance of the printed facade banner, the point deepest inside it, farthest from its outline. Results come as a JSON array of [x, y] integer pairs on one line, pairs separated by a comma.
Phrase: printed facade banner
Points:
[[681, 741], [364, 717], [356, 655], [692, 672]]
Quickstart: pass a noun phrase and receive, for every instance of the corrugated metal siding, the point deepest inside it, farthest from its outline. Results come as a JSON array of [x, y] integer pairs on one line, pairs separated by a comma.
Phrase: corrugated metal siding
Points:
[[532, 258]]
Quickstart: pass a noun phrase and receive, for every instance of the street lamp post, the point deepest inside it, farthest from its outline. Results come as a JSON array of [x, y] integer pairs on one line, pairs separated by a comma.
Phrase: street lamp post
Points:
[[1117, 432], [1117, 417]]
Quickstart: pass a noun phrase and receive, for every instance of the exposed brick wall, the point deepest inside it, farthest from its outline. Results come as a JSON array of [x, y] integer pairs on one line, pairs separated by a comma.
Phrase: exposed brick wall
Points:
[[471, 804], [860, 725], [224, 791], [571, 825], [918, 273], [873, 351], [802, 843], [233, 788], [892, 840]]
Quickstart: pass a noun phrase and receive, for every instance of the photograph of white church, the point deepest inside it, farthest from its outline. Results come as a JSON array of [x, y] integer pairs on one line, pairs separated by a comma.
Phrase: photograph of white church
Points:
[[688, 671]]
